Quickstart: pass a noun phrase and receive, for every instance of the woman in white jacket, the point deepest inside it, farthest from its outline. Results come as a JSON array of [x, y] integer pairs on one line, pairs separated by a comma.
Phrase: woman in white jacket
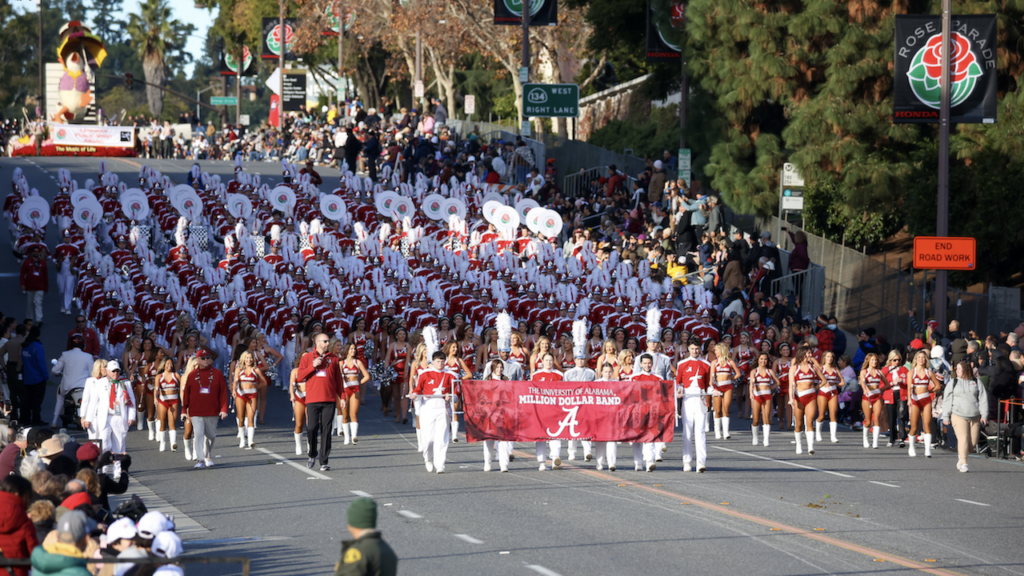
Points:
[[89, 397], [112, 409]]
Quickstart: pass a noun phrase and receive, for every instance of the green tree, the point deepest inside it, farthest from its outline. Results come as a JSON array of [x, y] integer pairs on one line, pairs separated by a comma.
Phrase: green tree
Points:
[[159, 42], [105, 22]]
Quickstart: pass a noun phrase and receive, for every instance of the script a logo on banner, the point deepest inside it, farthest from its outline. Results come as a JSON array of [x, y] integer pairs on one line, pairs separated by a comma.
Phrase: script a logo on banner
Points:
[[569, 421], [925, 72]]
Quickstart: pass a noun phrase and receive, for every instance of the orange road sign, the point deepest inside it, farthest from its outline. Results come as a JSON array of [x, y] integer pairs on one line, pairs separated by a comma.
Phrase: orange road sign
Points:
[[936, 253]]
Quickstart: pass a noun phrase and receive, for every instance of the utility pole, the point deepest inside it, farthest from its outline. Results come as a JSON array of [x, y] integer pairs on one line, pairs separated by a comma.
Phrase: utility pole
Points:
[[942, 212], [341, 54], [238, 89], [419, 72], [42, 81], [526, 60], [280, 60], [683, 89]]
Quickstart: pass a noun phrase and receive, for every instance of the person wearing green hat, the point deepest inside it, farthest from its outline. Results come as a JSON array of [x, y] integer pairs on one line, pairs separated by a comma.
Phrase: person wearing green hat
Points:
[[367, 552]]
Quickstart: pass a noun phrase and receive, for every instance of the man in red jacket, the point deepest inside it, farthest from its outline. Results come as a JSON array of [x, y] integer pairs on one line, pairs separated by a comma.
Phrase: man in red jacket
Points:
[[17, 533], [321, 371], [205, 398], [35, 283]]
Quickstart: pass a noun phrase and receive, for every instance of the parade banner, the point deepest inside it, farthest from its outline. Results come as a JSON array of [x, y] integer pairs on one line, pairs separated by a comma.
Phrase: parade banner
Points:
[[229, 63], [917, 86], [516, 411], [272, 38], [661, 18], [510, 12], [86, 140]]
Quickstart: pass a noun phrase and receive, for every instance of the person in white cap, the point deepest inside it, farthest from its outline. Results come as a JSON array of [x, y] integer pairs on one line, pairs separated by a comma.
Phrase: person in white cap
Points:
[[167, 545], [112, 409]]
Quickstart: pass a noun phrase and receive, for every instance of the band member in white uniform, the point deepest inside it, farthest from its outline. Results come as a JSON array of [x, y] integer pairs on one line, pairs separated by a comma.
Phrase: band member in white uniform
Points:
[[434, 385], [580, 373], [496, 371], [607, 450], [661, 365], [643, 452], [693, 376], [547, 372]]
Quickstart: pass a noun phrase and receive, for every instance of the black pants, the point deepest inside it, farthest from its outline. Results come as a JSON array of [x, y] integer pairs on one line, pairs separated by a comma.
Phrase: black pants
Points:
[[371, 167], [17, 386], [32, 402], [319, 420], [895, 412]]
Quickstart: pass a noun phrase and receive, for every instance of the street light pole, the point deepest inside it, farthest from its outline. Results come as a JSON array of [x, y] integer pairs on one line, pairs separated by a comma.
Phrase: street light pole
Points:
[[42, 83], [526, 60], [198, 93], [942, 212], [419, 71], [280, 60], [341, 53]]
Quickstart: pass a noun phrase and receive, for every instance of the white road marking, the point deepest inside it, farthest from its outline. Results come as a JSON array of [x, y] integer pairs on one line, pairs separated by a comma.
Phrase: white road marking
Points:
[[410, 514], [469, 539], [542, 570], [784, 462], [884, 484], [361, 494], [184, 526], [295, 465], [972, 502]]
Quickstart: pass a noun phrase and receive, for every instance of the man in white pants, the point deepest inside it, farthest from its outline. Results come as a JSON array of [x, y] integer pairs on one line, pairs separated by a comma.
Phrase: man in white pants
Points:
[[434, 388], [205, 399], [693, 375], [112, 409], [76, 367], [580, 373]]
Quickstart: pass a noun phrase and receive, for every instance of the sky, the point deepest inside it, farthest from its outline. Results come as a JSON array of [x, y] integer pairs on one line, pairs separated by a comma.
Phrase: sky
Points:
[[183, 10]]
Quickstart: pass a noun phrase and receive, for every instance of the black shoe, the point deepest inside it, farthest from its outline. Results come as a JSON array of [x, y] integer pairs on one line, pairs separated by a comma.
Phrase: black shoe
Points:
[[310, 463]]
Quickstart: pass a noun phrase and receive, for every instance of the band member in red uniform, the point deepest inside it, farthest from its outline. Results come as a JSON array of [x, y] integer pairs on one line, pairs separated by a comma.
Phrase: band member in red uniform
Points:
[[434, 385], [763, 383], [354, 376], [693, 375], [872, 384], [921, 382], [828, 395], [724, 374], [803, 395], [547, 373]]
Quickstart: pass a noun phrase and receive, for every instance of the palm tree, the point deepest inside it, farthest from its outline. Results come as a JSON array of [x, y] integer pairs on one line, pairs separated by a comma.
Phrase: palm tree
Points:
[[153, 33]]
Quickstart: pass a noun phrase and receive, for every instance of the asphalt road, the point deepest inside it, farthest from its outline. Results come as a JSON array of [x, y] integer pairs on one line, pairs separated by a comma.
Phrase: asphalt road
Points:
[[757, 510]]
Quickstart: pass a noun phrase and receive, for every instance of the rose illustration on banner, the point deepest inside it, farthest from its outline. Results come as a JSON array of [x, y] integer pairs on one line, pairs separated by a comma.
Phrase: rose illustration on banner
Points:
[[925, 72], [62, 134], [232, 62], [274, 39], [516, 7]]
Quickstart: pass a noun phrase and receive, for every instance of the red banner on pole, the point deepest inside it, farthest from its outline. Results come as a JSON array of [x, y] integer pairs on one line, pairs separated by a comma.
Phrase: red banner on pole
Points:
[[275, 110], [516, 411]]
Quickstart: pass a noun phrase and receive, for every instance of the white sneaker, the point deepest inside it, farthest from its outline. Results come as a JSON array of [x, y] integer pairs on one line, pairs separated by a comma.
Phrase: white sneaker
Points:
[[504, 468], [600, 466], [209, 462], [556, 463], [687, 467], [963, 467], [572, 455], [658, 459], [702, 468], [201, 465], [542, 467], [636, 467], [430, 466], [651, 466], [487, 466]]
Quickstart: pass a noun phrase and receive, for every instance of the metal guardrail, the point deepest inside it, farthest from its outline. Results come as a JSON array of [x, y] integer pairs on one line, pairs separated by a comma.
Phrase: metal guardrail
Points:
[[809, 285], [150, 561], [574, 184]]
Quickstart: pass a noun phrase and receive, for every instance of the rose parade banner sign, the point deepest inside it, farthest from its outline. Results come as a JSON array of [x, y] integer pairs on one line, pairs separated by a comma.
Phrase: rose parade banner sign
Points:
[[918, 69], [599, 411]]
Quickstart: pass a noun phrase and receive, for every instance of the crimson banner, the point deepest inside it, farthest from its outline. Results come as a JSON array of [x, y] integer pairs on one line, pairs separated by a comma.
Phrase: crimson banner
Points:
[[515, 411]]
